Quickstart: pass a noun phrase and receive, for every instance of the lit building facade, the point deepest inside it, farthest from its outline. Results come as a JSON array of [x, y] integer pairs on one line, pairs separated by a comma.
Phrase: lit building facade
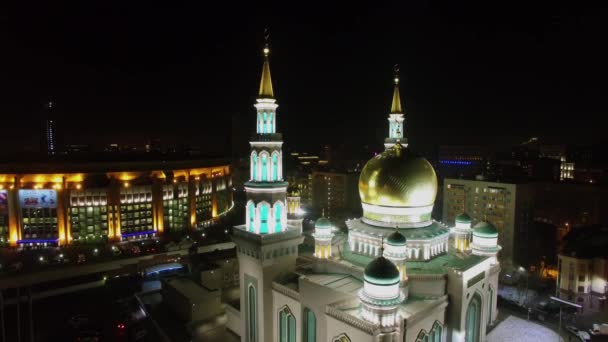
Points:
[[583, 268], [91, 203], [335, 193], [507, 206]]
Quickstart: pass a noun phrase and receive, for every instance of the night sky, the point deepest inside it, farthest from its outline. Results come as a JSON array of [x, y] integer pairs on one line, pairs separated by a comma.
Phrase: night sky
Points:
[[126, 71]]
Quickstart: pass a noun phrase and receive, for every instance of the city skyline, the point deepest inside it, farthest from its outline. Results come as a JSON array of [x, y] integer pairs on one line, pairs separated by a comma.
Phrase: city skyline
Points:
[[172, 73]]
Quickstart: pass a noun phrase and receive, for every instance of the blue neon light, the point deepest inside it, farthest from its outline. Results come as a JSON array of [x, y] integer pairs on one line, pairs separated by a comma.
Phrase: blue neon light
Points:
[[38, 241], [455, 162], [139, 233], [165, 269]]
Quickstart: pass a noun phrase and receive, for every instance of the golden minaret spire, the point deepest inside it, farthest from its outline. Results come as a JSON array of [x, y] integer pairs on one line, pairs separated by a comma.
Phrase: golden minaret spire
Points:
[[396, 105], [266, 81]]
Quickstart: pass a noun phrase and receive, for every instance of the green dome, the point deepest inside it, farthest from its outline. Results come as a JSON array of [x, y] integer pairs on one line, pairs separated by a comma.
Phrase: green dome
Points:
[[323, 223], [463, 218], [485, 230], [381, 271], [396, 238]]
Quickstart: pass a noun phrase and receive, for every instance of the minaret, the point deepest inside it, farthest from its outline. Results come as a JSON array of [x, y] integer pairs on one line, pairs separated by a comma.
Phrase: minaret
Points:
[[323, 235], [267, 244], [395, 117], [266, 214], [381, 296], [462, 232]]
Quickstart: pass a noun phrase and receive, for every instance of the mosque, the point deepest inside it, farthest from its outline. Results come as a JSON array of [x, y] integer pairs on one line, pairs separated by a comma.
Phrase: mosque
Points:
[[397, 275]]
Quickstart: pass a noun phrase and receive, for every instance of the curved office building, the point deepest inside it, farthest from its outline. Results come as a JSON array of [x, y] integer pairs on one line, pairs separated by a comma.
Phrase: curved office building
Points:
[[59, 203]]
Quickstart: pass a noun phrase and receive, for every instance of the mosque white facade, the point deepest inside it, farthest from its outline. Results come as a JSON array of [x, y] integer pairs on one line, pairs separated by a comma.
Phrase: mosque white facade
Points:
[[397, 275]]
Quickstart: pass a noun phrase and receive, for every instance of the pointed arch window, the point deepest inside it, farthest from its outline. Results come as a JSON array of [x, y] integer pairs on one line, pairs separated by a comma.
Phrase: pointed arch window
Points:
[[310, 322], [341, 338], [254, 166], [264, 216], [251, 214], [251, 313], [287, 325], [490, 300], [264, 169], [259, 128], [275, 166], [270, 122], [473, 318], [278, 213], [264, 124]]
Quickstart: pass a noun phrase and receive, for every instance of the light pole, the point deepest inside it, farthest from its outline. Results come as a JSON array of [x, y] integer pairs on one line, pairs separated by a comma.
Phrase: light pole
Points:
[[561, 301]]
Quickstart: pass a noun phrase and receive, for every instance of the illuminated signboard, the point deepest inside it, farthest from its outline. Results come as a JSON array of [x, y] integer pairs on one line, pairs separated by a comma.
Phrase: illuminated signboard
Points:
[[43, 198]]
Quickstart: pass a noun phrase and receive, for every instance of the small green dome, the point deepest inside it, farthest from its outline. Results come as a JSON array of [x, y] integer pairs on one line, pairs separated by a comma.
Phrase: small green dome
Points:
[[323, 223], [463, 218], [381, 271], [485, 230], [396, 239]]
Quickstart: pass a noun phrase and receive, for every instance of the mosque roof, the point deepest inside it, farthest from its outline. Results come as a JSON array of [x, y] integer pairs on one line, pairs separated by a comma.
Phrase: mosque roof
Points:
[[381, 271], [485, 230]]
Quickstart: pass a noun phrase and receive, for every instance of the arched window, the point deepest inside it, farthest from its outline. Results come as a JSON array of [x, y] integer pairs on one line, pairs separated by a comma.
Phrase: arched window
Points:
[[436, 332], [264, 169], [278, 212], [275, 166], [341, 338], [287, 325], [251, 319], [259, 128], [310, 330], [270, 123], [254, 166], [265, 126], [264, 215], [473, 318], [251, 214], [490, 299]]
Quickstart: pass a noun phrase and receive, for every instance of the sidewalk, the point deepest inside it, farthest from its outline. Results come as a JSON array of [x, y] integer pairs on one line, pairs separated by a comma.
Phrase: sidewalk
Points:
[[521, 330]]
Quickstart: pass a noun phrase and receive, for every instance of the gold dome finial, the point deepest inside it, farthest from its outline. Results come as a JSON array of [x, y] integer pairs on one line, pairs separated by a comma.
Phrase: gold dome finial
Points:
[[396, 105], [266, 81]]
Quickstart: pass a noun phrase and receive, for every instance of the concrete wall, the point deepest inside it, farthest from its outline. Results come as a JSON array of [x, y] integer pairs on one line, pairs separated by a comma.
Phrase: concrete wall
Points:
[[599, 280], [233, 319], [426, 323], [427, 287], [336, 327], [461, 294], [194, 304], [314, 297]]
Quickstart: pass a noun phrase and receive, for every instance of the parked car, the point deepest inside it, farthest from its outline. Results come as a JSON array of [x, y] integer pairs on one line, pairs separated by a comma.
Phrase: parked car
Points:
[[599, 329], [584, 335]]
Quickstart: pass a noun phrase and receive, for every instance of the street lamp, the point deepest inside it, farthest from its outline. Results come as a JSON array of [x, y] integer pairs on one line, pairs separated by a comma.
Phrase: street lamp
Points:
[[561, 301]]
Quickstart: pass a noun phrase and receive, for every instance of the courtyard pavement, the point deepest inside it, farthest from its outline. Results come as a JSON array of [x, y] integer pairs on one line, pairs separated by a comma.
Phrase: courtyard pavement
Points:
[[521, 330]]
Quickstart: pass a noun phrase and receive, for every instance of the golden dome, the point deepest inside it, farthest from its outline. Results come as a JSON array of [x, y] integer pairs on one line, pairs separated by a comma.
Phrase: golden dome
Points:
[[396, 178]]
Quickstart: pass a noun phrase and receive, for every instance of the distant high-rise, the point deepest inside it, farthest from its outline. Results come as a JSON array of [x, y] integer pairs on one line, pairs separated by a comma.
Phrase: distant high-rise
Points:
[[50, 132]]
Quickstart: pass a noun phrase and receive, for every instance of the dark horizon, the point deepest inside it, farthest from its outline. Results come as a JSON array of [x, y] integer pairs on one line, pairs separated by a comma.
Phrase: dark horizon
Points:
[[470, 75]]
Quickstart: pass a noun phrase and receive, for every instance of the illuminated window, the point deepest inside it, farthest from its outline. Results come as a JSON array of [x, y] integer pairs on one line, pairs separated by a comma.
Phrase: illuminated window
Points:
[[264, 213], [278, 210], [254, 166], [264, 166], [275, 166]]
